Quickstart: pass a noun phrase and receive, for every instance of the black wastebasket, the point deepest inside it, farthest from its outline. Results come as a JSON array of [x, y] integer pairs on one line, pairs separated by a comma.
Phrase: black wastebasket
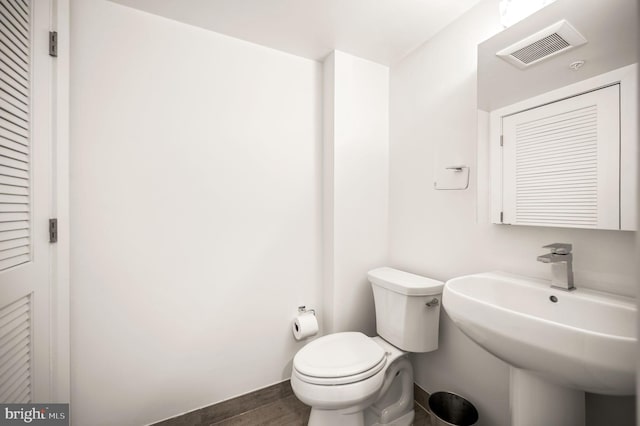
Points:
[[449, 409]]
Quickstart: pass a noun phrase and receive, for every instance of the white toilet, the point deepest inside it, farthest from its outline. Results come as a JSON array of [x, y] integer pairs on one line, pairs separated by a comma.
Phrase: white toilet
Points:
[[351, 379]]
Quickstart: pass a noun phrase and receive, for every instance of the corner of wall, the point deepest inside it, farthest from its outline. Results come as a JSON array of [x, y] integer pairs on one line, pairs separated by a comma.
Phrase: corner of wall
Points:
[[356, 162], [328, 67]]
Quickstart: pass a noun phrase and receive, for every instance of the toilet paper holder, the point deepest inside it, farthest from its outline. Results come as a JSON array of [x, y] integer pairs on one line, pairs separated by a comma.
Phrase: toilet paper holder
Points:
[[303, 310]]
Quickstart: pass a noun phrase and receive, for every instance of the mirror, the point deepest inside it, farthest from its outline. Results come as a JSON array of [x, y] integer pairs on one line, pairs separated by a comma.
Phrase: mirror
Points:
[[557, 180]]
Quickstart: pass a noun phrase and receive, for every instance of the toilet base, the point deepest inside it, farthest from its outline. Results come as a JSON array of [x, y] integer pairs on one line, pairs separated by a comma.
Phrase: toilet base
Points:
[[335, 417], [395, 401], [405, 420], [338, 418]]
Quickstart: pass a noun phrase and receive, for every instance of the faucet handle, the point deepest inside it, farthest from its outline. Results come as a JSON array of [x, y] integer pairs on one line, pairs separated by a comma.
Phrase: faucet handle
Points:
[[559, 248]]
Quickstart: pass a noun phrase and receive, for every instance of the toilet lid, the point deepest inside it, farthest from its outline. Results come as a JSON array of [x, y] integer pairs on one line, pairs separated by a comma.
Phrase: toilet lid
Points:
[[338, 355]]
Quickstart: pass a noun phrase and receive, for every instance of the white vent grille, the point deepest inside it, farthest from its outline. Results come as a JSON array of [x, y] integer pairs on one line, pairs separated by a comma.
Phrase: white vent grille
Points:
[[556, 170], [544, 44], [15, 245], [541, 48], [15, 351]]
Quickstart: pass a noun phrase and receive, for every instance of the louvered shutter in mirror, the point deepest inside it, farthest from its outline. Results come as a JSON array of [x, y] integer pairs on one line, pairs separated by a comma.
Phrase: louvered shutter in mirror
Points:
[[561, 164], [15, 246], [15, 351]]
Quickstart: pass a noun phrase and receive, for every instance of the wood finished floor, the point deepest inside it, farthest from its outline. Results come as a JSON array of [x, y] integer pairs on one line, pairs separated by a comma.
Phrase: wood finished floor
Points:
[[285, 411], [291, 412], [274, 405], [422, 418]]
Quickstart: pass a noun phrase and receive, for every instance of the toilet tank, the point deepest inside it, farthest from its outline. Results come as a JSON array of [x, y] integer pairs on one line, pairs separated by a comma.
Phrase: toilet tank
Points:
[[402, 315]]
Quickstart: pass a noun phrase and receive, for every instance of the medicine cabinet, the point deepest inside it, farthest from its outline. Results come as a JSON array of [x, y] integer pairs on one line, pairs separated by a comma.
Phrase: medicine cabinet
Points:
[[568, 158]]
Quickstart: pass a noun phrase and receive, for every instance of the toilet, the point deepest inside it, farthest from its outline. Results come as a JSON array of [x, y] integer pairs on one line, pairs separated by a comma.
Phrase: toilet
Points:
[[350, 379]]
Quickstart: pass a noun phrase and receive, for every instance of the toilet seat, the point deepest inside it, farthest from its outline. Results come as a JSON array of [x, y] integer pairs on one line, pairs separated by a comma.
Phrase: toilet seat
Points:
[[330, 381], [339, 358]]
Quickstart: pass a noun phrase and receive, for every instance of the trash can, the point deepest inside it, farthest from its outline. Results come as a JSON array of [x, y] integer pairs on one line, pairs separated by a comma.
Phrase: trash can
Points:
[[449, 409]]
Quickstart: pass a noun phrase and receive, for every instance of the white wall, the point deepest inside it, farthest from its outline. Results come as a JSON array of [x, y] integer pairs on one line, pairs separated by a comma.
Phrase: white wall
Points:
[[196, 213], [356, 176], [440, 234]]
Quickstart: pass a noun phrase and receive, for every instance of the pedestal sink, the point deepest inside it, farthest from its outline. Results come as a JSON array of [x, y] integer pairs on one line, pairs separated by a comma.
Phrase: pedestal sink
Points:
[[559, 344]]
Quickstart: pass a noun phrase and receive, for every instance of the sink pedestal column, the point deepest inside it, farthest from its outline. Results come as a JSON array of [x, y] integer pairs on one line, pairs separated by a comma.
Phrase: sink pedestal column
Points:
[[534, 401]]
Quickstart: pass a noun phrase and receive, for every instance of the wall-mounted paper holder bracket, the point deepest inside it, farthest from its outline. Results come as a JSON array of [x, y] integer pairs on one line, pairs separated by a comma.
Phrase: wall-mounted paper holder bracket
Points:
[[303, 310], [452, 178]]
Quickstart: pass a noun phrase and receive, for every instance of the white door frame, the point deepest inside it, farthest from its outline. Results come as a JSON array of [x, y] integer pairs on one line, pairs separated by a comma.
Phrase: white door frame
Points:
[[60, 339]]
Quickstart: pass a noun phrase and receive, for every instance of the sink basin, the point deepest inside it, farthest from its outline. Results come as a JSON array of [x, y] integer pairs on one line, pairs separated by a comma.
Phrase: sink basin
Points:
[[583, 340]]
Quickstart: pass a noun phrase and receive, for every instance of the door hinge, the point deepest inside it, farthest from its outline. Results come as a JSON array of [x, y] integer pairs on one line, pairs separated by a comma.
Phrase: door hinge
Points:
[[501, 140], [53, 43], [501, 217], [53, 230]]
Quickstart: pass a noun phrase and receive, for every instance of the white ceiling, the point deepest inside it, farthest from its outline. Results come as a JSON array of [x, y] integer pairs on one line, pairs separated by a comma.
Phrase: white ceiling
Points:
[[383, 31]]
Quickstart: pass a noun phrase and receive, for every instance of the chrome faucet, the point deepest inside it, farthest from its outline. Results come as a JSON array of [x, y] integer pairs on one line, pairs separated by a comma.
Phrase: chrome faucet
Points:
[[561, 261]]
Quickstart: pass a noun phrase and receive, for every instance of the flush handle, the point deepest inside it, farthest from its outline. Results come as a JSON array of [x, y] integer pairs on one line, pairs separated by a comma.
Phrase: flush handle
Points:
[[433, 302]]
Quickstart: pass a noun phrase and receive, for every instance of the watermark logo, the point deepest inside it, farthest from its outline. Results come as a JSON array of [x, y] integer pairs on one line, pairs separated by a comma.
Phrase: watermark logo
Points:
[[34, 414]]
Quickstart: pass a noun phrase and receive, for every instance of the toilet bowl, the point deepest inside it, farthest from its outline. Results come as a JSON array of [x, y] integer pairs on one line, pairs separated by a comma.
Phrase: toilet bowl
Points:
[[343, 374], [350, 379]]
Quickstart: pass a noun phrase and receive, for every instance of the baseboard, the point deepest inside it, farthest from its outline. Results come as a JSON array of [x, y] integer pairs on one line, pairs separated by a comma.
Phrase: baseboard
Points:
[[421, 397]]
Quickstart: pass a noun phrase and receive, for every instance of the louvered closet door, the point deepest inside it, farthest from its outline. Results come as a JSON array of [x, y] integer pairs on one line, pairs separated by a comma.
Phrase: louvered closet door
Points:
[[25, 191], [561, 163]]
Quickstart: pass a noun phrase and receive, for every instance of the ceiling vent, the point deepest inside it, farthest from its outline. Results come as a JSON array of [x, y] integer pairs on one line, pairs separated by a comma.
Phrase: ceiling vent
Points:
[[544, 44]]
